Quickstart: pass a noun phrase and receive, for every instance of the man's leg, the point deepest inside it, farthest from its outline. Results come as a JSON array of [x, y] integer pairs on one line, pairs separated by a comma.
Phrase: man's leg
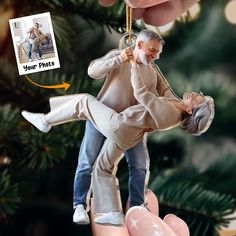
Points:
[[39, 50], [89, 150], [29, 52], [138, 163]]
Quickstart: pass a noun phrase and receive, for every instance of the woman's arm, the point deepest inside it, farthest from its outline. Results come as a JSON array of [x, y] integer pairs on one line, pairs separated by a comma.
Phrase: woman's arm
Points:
[[163, 112], [141, 92]]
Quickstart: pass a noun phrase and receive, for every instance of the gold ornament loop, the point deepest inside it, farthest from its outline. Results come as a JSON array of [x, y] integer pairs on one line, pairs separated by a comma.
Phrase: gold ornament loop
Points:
[[128, 39]]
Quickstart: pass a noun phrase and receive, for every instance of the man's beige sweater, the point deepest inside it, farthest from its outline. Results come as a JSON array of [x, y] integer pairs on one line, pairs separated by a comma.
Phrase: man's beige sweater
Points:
[[117, 91]]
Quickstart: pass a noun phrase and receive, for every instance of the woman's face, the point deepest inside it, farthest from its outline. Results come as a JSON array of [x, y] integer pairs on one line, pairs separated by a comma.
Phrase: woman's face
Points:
[[191, 100]]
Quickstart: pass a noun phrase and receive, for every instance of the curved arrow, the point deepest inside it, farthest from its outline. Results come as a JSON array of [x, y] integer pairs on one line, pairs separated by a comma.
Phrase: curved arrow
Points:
[[63, 85]]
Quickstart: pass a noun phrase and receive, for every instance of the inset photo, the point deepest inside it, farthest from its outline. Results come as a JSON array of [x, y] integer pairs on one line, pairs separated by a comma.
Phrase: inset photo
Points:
[[34, 43]]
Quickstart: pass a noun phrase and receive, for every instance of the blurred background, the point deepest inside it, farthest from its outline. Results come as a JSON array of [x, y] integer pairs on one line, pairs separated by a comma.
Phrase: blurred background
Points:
[[193, 177]]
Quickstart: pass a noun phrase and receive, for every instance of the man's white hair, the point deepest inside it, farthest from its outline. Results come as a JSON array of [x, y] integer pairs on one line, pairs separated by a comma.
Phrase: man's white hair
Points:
[[146, 35]]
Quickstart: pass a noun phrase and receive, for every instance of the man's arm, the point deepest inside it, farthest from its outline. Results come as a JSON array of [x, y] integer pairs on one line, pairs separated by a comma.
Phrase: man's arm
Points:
[[100, 67]]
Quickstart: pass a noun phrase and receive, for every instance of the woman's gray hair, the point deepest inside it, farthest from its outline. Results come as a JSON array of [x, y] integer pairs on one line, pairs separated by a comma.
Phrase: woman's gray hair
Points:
[[146, 35], [201, 118]]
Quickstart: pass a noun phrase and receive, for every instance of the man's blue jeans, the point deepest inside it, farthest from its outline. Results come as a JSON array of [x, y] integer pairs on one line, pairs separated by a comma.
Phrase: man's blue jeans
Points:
[[137, 158], [30, 50]]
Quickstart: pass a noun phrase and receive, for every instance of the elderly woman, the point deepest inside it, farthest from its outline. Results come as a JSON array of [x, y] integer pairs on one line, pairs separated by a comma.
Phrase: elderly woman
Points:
[[194, 113]]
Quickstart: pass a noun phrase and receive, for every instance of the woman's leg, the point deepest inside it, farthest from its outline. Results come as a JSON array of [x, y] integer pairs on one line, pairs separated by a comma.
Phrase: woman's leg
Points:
[[106, 194], [81, 106], [89, 151], [85, 107]]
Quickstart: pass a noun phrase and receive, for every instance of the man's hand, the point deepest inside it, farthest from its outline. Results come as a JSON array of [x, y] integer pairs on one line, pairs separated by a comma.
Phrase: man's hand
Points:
[[127, 55]]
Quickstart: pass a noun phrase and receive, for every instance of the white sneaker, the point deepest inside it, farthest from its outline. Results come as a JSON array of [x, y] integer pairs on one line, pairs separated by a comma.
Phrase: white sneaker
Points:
[[80, 215], [110, 218], [30, 60], [38, 120]]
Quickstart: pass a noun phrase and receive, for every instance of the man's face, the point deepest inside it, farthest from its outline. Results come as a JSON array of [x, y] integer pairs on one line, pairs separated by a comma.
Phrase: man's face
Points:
[[36, 26], [149, 51]]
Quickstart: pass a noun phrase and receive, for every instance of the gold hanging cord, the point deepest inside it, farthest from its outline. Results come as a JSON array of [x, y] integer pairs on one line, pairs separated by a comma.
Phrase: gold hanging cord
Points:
[[128, 38], [129, 21]]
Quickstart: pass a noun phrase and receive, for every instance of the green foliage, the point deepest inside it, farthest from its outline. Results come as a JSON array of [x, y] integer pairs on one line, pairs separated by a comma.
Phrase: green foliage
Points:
[[9, 196], [218, 85], [196, 198], [42, 151], [63, 32], [79, 82], [221, 172], [201, 45], [164, 157], [9, 130], [203, 210], [9, 120], [112, 18]]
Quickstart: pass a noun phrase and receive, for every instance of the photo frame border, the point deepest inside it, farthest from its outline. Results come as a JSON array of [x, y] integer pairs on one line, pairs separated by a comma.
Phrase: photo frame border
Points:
[[39, 65]]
